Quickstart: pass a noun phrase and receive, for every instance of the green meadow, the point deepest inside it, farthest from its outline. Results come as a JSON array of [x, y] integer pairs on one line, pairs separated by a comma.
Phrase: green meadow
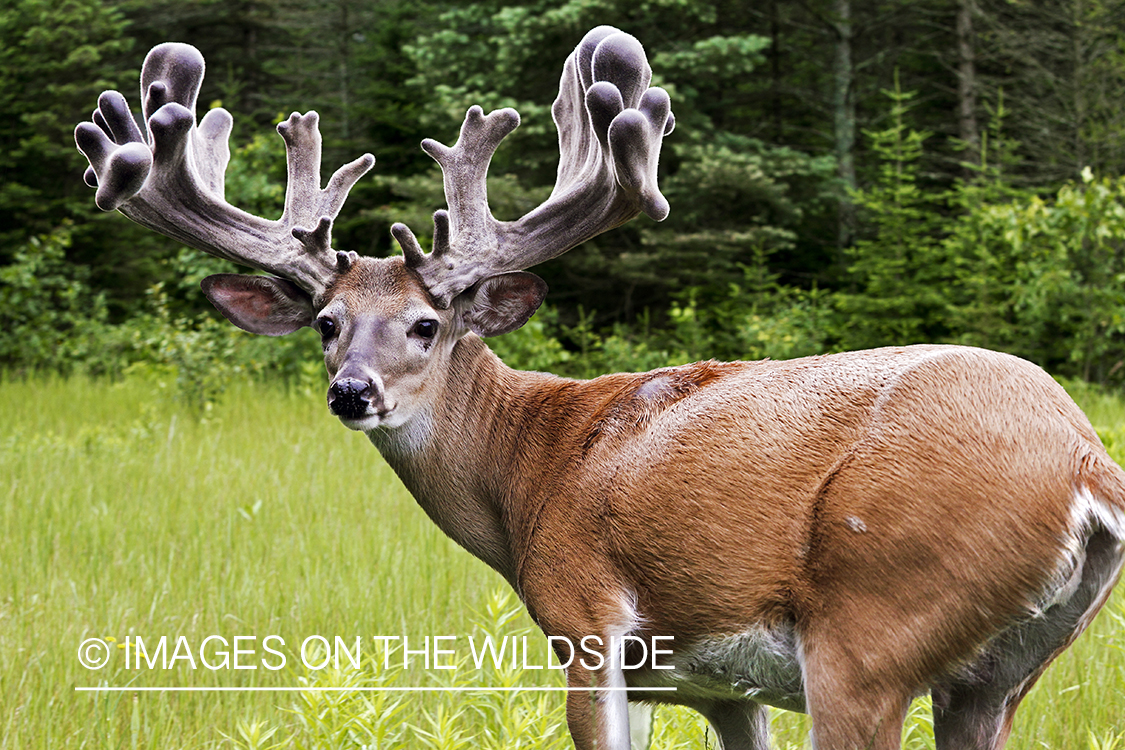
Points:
[[125, 514]]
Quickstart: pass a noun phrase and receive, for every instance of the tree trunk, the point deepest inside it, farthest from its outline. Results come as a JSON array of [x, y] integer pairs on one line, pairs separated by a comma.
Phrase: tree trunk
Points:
[[775, 73], [1079, 30], [345, 53], [966, 83], [843, 106]]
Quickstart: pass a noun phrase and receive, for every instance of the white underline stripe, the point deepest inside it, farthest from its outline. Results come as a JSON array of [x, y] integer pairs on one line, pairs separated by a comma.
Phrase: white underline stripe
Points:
[[114, 689]]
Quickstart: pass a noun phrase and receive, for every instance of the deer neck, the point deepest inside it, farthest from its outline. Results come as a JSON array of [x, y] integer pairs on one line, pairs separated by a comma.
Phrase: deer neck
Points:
[[466, 459]]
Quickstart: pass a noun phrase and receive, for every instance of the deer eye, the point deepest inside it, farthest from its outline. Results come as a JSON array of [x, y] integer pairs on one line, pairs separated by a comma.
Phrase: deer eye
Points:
[[326, 327], [425, 329]]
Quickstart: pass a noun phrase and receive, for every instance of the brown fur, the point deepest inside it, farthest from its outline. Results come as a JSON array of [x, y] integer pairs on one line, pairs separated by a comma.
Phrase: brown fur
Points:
[[897, 509], [645, 396]]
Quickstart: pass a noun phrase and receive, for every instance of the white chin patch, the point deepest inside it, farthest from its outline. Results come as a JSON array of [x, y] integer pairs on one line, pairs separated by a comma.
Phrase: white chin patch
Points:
[[363, 424]]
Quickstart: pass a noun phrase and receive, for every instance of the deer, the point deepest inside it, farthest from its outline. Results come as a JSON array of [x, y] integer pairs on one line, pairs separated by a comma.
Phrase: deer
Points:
[[835, 535]]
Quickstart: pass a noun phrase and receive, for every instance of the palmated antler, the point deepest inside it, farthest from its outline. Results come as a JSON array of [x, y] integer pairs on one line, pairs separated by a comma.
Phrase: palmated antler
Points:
[[172, 180], [610, 124]]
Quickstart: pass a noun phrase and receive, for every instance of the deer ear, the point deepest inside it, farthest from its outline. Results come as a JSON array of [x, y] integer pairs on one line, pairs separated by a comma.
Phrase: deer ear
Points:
[[259, 304], [501, 304]]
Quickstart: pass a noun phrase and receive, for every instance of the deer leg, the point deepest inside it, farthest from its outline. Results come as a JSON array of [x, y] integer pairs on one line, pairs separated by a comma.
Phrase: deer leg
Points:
[[850, 709], [581, 711], [838, 724], [640, 725], [976, 711], [966, 718], [858, 727], [598, 719], [741, 725]]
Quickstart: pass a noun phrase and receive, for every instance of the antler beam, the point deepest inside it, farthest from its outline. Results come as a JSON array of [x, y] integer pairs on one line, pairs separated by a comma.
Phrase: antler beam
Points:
[[172, 180], [611, 125]]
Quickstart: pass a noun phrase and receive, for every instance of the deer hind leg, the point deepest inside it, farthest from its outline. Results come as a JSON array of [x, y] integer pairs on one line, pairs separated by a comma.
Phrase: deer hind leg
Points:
[[970, 719], [741, 725], [853, 704], [843, 722], [975, 712]]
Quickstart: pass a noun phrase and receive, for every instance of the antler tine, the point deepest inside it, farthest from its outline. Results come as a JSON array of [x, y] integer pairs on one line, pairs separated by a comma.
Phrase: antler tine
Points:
[[172, 179], [611, 125], [465, 169]]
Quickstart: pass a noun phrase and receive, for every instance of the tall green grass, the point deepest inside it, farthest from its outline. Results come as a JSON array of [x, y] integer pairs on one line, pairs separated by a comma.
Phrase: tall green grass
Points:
[[123, 514]]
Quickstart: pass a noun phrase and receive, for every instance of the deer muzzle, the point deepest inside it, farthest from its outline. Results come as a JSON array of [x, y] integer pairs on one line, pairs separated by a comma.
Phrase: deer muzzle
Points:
[[354, 398]]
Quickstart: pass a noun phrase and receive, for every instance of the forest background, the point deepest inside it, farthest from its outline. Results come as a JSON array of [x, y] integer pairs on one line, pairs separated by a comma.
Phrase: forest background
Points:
[[844, 174]]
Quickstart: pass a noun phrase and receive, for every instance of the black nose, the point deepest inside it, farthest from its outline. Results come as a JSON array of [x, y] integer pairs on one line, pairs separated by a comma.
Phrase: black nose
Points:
[[350, 398]]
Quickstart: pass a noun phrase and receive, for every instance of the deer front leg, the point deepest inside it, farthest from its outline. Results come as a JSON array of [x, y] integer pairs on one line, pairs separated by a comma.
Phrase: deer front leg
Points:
[[640, 725], [599, 718], [588, 613]]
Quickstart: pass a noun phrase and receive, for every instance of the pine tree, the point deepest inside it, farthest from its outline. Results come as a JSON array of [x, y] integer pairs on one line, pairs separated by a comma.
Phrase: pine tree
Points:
[[897, 267], [55, 58]]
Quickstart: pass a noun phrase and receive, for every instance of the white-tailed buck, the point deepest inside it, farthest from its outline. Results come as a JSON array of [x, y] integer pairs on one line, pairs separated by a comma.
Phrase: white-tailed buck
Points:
[[835, 535]]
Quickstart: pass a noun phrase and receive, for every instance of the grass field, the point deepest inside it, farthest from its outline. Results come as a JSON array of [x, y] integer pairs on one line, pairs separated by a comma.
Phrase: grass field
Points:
[[124, 515]]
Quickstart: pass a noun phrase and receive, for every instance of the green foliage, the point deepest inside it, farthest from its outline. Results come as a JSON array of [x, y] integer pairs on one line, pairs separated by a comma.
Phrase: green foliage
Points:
[[622, 349], [744, 267], [731, 192], [754, 319], [56, 56], [1062, 66], [532, 347], [897, 267], [1038, 276], [51, 319], [982, 268], [1046, 277], [413, 198], [713, 58], [791, 323], [539, 345], [198, 356], [53, 322], [198, 353], [735, 197], [256, 175], [348, 708], [254, 735]]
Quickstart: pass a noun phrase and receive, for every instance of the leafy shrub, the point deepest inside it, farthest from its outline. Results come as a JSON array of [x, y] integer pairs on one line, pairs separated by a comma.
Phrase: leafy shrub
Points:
[[52, 320], [755, 320], [1045, 278], [532, 347], [203, 353]]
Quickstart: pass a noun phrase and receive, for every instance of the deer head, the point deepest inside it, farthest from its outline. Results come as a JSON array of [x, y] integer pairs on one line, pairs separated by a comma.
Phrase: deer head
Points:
[[386, 325]]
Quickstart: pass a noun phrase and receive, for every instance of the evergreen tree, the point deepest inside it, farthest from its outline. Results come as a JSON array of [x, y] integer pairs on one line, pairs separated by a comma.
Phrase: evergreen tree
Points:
[[1062, 67], [898, 268], [56, 56]]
